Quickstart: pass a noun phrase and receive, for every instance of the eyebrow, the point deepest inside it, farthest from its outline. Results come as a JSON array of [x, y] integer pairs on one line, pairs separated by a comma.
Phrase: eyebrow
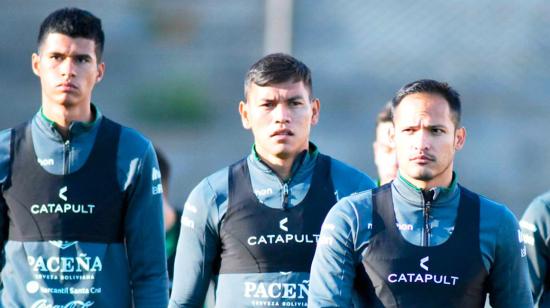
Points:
[[295, 97], [57, 53], [426, 126], [437, 126], [292, 98]]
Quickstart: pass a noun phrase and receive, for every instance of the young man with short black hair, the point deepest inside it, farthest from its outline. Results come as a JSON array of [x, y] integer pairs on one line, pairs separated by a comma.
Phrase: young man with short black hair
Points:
[[81, 208], [253, 226]]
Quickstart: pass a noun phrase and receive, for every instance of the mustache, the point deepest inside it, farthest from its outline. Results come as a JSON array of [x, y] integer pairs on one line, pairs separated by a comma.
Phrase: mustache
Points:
[[423, 156]]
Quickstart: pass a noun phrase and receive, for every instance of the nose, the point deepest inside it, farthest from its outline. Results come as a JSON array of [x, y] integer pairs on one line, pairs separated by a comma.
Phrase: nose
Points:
[[422, 140], [282, 113], [68, 67]]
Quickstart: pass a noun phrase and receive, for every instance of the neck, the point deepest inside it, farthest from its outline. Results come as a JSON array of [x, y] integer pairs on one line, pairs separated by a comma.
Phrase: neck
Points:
[[281, 164], [63, 115], [444, 180], [282, 167]]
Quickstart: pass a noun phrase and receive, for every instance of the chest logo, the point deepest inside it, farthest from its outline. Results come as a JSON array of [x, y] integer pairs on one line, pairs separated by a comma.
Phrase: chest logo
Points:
[[423, 261], [62, 192], [282, 224], [62, 244]]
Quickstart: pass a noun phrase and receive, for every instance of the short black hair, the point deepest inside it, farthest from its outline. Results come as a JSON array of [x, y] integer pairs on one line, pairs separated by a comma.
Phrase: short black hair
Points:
[[277, 68], [75, 23], [434, 87]]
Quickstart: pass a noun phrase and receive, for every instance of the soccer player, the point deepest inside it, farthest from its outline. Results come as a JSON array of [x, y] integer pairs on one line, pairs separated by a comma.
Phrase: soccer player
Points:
[[81, 208], [253, 226], [423, 240]]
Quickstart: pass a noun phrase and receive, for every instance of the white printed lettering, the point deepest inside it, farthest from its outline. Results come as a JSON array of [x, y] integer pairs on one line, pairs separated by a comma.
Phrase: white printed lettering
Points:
[[58, 208], [79, 264], [45, 162], [157, 189], [276, 290], [187, 222], [43, 303]]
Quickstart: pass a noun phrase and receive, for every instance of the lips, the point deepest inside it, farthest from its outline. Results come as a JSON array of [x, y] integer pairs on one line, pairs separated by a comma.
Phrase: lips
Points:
[[67, 86], [282, 132], [422, 158]]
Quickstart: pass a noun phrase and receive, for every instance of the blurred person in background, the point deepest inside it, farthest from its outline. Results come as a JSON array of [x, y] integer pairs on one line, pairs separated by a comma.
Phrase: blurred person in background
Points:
[[535, 225], [253, 226], [171, 215], [81, 206], [423, 239], [384, 151]]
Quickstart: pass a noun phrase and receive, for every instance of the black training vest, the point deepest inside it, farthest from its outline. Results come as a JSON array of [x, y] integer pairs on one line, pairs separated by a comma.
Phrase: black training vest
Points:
[[400, 274], [258, 239], [86, 205]]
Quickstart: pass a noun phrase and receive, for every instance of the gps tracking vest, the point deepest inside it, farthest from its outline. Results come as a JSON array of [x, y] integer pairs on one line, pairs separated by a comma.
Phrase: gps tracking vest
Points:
[[86, 205], [258, 239], [400, 274]]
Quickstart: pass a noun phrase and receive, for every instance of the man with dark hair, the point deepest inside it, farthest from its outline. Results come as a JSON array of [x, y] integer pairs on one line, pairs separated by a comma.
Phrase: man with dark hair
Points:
[[384, 151], [80, 212], [423, 240], [253, 226]]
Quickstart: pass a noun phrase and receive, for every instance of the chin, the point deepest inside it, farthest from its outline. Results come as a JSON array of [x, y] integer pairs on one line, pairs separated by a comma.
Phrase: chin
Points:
[[64, 100], [286, 153], [422, 175]]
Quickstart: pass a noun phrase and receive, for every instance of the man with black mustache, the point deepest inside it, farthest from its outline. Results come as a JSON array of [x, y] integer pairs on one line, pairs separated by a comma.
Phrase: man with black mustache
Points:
[[253, 226], [422, 240]]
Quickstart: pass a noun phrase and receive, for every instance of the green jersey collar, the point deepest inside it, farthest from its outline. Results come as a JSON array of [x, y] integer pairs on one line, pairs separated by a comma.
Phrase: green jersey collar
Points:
[[447, 189], [95, 112], [302, 158]]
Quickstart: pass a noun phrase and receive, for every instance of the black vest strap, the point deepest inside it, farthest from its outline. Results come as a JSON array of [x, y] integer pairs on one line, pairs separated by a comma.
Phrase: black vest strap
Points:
[[86, 205], [256, 238], [401, 274]]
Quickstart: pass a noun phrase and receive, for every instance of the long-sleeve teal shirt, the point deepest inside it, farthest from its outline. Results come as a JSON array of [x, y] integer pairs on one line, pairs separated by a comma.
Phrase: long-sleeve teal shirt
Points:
[[346, 233], [204, 215], [133, 271], [535, 225]]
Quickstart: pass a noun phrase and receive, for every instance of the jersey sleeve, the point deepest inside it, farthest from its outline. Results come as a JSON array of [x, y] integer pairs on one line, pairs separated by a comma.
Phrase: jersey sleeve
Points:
[[535, 225], [144, 234], [5, 145], [197, 248], [333, 267], [508, 284], [348, 180]]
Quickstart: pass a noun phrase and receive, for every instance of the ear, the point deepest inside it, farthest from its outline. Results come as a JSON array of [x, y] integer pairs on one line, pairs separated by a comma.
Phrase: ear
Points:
[[35, 64], [100, 71], [460, 138], [243, 110], [315, 110], [391, 133]]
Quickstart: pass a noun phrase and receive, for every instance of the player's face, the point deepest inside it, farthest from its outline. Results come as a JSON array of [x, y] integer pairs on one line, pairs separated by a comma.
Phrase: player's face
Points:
[[280, 117], [426, 139], [68, 70], [384, 153]]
